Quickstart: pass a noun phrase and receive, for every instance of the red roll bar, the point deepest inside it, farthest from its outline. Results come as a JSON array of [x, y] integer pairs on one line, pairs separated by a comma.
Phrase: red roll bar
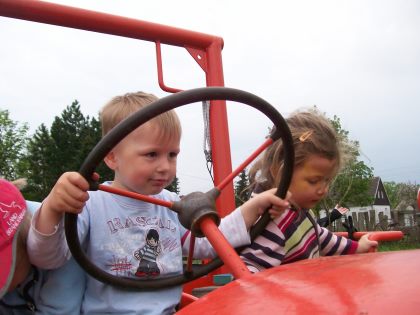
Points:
[[205, 49]]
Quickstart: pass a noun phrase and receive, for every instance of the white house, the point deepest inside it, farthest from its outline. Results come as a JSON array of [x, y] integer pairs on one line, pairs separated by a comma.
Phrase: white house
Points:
[[380, 203]]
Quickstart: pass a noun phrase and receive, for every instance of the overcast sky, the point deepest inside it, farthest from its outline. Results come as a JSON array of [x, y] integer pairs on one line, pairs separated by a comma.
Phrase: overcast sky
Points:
[[358, 60]]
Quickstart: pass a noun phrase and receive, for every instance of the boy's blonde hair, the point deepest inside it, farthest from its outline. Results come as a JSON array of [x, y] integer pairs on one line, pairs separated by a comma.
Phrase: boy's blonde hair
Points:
[[312, 133], [120, 107]]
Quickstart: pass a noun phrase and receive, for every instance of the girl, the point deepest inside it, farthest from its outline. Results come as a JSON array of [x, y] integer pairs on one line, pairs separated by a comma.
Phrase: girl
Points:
[[295, 235]]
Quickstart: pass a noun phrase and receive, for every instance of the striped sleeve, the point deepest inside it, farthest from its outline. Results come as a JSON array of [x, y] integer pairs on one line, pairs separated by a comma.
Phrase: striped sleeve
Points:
[[332, 244], [268, 249]]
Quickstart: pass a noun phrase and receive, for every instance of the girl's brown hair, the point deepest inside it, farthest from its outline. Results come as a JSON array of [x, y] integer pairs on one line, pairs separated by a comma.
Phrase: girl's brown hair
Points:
[[120, 107], [312, 133]]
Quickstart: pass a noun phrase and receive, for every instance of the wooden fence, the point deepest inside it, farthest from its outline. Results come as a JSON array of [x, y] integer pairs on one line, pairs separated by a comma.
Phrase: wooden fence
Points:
[[365, 221]]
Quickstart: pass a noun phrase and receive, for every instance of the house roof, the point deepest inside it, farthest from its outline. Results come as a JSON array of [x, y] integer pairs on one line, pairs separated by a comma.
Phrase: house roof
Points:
[[374, 185]]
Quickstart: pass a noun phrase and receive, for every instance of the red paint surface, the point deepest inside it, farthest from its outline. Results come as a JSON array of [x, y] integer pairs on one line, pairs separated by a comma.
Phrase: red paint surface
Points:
[[373, 283]]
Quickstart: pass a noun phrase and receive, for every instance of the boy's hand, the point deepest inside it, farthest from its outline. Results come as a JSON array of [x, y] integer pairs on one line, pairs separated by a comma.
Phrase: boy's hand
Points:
[[69, 194], [255, 206], [365, 244]]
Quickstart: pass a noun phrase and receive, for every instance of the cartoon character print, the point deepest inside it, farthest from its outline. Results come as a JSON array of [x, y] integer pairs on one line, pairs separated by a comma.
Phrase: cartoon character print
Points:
[[147, 256]]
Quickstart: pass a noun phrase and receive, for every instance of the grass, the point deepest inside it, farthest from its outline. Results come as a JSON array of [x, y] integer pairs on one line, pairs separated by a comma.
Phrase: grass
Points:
[[397, 245]]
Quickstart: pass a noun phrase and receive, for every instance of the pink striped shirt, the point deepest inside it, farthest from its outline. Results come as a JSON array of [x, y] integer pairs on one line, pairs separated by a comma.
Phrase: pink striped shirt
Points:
[[292, 237]]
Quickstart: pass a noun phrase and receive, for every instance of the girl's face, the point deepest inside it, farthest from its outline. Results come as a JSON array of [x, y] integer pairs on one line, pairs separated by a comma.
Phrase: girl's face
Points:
[[143, 161], [311, 180]]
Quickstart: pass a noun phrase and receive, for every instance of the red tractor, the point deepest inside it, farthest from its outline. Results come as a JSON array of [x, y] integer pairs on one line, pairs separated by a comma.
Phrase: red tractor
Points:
[[373, 283]]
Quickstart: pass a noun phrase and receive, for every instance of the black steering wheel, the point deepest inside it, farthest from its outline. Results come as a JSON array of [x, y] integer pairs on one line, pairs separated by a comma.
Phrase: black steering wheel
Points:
[[160, 106]]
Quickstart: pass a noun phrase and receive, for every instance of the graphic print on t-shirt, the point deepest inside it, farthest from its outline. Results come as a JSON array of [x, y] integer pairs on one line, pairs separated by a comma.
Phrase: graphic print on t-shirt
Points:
[[147, 256], [140, 246]]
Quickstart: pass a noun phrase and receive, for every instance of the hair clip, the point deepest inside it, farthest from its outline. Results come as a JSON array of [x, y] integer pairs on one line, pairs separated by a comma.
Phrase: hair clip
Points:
[[305, 135]]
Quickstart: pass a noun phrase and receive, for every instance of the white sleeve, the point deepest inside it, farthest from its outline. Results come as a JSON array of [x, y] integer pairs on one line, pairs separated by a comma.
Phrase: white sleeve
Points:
[[47, 251], [233, 228]]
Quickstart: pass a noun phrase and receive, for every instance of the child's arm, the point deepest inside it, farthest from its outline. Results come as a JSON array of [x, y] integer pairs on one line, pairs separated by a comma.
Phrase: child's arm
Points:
[[332, 244], [255, 206], [365, 244], [47, 247], [235, 226]]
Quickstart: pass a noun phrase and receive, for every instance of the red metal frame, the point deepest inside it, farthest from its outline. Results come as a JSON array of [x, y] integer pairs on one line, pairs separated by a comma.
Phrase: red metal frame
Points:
[[205, 49]]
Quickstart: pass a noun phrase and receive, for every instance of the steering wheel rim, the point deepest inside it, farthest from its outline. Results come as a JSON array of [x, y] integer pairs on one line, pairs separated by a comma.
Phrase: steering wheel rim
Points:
[[108, 142]]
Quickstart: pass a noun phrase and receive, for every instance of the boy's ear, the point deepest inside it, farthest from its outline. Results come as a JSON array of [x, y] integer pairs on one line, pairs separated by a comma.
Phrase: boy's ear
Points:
[[110, 160]]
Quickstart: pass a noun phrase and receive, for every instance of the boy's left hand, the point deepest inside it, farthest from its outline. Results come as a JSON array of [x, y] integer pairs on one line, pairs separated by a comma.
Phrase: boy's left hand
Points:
[[365, 244]]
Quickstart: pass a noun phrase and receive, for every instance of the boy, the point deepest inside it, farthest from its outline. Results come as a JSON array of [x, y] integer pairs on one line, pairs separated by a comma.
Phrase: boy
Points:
[[114, 228], [24, 289]]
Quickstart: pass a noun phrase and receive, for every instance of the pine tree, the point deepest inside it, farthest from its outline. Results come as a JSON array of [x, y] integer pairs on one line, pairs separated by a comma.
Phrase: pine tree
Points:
[[63, 148], [174, 186], [241, 193], [90, 137], [41, 154]]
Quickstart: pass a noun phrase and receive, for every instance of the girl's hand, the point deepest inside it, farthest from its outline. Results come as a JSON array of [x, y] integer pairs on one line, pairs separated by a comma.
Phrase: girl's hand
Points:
[[279, 205], [341, 209], [365, 244], [258, 203]]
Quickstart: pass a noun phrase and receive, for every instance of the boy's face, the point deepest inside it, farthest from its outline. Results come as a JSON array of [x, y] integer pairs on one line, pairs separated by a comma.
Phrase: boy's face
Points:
[[144, 162], [310, 181]]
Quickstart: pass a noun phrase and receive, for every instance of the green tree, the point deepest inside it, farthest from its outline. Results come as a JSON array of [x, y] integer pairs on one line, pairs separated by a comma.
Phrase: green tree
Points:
[[41, 154], [352, 184], [392, 191], [63, 148], [241, 193], [401, 195], [90, 137], [68, 132], [13, 140], [174, 186]]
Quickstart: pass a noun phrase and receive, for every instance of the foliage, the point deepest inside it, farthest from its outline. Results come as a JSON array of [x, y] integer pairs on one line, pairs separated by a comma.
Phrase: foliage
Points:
[[352, 184], [13, 139], [241, 194], [397, 245], [174, 186], [401, 195], [61, 149], [40, 154], [392, 189]]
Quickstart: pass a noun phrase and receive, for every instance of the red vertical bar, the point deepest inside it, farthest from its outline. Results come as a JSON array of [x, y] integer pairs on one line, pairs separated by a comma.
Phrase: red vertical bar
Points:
[[219, 130], [228, 255], [190, 253]]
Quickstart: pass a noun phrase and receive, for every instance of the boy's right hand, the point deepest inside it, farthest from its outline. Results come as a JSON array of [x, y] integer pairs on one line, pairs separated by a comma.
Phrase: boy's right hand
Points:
[[69, 194]]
